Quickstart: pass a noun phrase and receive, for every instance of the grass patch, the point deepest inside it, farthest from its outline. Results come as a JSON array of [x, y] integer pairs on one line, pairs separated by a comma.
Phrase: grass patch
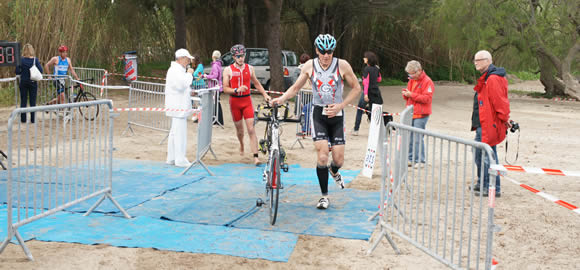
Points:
[[6, 97], [531, 94], [526, 75], [391, 82]]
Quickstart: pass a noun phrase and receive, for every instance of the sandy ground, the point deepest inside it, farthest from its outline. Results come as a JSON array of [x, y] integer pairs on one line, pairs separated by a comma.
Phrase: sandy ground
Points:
[[535, 234]]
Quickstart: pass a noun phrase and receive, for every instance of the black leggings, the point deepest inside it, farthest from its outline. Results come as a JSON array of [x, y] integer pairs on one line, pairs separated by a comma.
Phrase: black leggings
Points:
[[27, 95]]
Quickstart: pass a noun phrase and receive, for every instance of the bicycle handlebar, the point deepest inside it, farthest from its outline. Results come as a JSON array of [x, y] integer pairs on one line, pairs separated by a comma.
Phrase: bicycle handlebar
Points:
[[274, 110]]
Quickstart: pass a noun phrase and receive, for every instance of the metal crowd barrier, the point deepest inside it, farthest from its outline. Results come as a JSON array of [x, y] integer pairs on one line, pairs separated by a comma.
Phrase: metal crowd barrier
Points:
[[46, 89], [432, 206], [207, 91], [53, 166], [147, 95], [303, 107], [99, 77]]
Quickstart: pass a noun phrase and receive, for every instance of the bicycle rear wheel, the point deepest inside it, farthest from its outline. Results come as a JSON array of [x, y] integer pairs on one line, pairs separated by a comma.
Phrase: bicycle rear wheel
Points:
[[89, 113], [273, 185]]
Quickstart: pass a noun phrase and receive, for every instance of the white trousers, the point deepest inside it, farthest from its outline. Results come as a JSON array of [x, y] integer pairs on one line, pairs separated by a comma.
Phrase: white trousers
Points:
[[177, 141]]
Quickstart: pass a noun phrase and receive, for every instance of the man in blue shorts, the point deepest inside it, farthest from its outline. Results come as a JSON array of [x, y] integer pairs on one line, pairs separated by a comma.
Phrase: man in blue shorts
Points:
[[62, 65]]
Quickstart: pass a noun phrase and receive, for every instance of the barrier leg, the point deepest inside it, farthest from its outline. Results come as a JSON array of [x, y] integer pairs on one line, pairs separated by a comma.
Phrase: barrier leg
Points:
[[23, 245], [128, 128], [164, 139], [388, 237], [197, 162], [14, 232], [297, 141], [212, 152], [110, 197]]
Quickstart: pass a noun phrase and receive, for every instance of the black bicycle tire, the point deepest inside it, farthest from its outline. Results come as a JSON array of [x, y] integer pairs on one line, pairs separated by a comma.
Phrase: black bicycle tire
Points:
[[86, 96], [274, 191]]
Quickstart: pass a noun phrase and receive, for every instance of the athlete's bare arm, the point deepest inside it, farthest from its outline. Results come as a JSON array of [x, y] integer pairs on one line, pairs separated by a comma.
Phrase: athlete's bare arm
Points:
[[226, 80], [71, 69], [257, 84], [293, 90], [53, 61]]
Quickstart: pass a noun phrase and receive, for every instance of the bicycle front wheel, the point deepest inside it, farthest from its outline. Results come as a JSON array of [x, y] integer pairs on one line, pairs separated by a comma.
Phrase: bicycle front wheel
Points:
[[273, 185], [89, 113]]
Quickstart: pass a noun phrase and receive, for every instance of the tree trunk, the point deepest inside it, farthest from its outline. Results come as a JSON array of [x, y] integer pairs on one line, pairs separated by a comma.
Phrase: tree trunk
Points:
[[274, 8], [180, 31], [239, 23], [555, 74], [253, 27]]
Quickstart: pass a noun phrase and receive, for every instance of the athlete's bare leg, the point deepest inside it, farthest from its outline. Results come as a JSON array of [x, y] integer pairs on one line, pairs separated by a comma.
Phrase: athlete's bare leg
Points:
[[322, 152], [253, 139], [240, 134]]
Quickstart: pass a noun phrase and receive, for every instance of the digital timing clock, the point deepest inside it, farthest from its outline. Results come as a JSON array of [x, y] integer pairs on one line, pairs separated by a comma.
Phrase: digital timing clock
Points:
[[9, 54]]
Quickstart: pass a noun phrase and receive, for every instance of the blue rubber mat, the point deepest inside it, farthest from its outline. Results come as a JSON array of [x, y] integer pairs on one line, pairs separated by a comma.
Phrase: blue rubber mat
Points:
[[219, 212], [146, 232]]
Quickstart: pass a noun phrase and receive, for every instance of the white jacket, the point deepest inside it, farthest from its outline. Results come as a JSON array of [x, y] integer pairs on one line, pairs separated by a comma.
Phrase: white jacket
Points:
[[178, 91]]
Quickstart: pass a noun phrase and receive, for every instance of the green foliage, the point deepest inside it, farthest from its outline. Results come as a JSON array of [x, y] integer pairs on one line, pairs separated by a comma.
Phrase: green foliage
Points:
[[526, 75], [149, 69], [391, 82], [7, 96]]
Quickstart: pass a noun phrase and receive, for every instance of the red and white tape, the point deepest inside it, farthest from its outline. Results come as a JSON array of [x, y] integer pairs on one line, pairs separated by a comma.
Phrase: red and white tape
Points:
[[268, 91], [144, 77], [514, 168], [546, 196], [563, 99], [365, 110], [154, 110]]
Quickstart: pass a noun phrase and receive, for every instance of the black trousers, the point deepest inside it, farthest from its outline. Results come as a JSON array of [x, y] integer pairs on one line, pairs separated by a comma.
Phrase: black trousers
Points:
[[28, 93]]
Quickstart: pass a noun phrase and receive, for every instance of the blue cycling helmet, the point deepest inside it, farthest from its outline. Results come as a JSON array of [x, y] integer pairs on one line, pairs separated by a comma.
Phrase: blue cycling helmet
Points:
[[325, 42]]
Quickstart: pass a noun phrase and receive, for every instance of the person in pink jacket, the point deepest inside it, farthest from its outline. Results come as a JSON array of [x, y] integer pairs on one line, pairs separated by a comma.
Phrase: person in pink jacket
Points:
[[216, 74], [419, 93]]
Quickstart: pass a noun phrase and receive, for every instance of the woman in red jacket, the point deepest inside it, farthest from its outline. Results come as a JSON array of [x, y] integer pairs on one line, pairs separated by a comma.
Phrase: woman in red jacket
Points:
[[419, 93]]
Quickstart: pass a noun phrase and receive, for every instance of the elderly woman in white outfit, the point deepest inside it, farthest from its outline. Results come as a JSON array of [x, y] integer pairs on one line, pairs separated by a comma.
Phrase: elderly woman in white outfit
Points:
[[178, 96]]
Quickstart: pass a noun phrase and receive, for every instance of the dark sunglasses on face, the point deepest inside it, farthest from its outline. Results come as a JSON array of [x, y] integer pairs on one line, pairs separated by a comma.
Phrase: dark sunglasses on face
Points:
[[326, 52], [239, 55]]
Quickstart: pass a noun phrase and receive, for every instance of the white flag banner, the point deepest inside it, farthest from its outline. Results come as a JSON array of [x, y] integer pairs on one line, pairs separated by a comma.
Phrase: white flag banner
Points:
[[373, 140]]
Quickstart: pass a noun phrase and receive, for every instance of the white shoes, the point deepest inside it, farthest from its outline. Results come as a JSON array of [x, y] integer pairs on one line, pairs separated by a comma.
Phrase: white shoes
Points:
[[170, 162], [183, 165], [323, 203], [354, 132], [338, 180]]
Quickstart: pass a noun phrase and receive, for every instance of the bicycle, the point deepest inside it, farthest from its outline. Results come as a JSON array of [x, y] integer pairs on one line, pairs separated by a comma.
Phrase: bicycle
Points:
[[79, 96], [271, 174], [264, 144], [82, 96]]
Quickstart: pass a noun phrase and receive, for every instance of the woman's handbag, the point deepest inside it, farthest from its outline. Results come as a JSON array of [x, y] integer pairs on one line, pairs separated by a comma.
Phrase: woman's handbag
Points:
[[35, 74]]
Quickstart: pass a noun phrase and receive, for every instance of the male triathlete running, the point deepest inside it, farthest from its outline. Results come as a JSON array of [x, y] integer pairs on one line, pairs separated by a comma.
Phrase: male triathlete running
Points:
[[236, 82], [326, 74], [62, 64]]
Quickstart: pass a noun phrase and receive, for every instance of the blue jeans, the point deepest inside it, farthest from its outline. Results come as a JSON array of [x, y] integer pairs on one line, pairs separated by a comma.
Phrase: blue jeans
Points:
[[416, 140], [359, 113], [485, 164]]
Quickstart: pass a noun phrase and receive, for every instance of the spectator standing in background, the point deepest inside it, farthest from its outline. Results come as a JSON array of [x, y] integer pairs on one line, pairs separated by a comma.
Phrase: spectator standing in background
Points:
[[419, 93], [216, 74], [28, 87]]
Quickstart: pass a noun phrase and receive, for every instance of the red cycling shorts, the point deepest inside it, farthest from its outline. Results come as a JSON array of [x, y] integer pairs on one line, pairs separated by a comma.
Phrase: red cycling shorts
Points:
[[241, 107]]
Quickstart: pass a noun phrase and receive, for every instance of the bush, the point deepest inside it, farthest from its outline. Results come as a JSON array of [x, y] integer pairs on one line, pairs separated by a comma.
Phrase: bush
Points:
[[7, 96]]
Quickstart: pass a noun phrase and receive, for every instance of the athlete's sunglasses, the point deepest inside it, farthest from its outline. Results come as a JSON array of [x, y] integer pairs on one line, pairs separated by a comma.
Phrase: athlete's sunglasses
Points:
[[325, 52], [239, 55]]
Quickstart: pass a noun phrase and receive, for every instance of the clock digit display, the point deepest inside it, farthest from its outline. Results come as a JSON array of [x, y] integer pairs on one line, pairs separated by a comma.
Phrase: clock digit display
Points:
[[9, 54]]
